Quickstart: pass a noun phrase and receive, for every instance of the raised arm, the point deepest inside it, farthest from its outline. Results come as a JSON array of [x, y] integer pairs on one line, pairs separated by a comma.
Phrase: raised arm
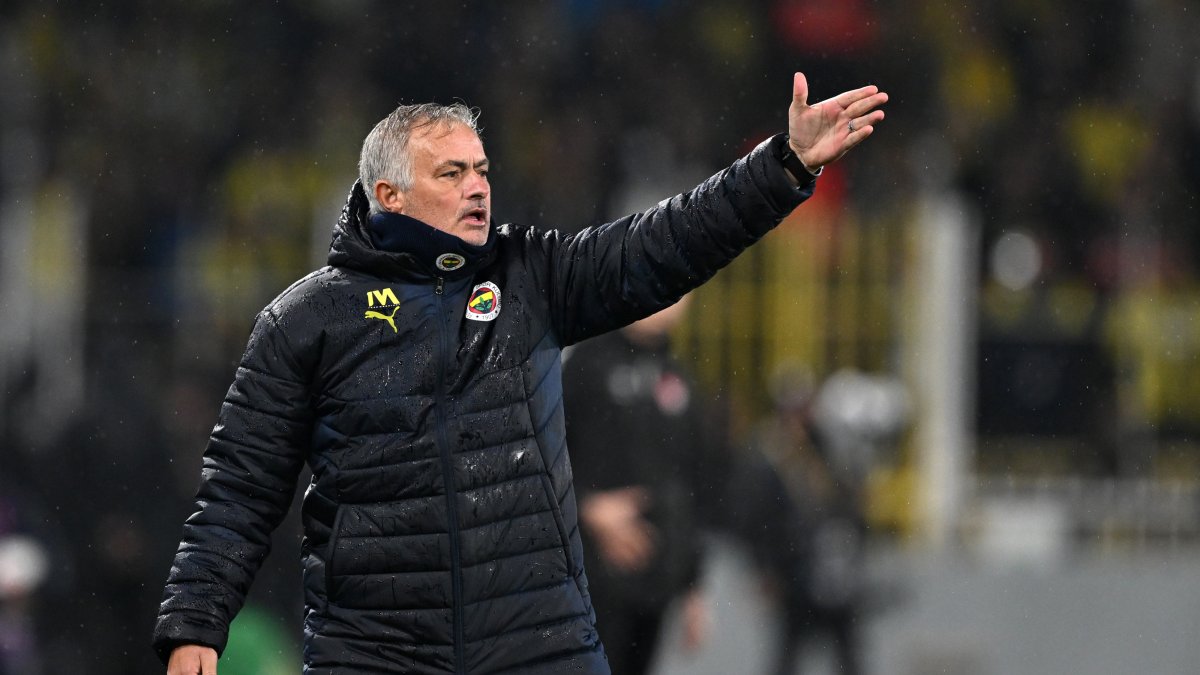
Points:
[[611, 275]]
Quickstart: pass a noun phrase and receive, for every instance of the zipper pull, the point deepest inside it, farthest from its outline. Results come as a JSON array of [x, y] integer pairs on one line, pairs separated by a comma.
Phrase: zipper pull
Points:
[[441, 283]]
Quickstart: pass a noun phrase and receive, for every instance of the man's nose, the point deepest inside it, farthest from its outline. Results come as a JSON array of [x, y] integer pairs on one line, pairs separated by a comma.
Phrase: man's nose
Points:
[[477, 186]]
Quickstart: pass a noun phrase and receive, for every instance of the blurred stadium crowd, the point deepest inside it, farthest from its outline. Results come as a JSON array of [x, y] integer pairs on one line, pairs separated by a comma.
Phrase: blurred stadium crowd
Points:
[[167, 168]]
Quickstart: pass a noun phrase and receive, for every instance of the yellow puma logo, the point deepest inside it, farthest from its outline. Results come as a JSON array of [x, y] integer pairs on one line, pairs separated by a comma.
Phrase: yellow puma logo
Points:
[[390, 318]]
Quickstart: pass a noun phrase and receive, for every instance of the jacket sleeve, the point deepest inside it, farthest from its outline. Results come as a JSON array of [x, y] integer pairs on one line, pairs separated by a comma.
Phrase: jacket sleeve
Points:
[[250, 468], [608, 276]]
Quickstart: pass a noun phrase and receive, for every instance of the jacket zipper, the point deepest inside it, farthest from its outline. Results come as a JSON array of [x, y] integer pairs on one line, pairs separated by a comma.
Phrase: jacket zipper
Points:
[[448, 479]]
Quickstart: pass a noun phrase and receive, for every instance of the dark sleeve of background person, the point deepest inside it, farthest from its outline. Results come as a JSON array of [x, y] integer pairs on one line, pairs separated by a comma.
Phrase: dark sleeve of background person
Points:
[[712, 461], [601, 437], [758, 510], [594, 430]]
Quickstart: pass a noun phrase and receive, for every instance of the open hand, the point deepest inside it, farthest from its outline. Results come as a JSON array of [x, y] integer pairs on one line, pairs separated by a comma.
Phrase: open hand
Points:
[[823, 132]]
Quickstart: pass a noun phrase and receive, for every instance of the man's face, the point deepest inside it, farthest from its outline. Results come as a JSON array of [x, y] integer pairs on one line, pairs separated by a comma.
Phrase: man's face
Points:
[[450, 189]]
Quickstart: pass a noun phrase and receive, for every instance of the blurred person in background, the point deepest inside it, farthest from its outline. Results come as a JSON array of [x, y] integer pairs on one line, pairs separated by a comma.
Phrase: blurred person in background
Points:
[[640, 444], [797, 505], [418, 375]]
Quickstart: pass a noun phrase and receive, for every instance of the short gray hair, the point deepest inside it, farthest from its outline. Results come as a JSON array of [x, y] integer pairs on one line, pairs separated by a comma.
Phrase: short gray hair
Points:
[[385, 154]]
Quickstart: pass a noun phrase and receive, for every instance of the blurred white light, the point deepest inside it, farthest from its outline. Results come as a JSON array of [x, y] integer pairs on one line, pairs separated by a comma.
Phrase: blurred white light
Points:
[[23, 565], [1016, 260]]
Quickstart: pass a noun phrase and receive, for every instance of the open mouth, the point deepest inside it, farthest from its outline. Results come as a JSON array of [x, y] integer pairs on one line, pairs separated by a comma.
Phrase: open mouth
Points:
[[476, 217]]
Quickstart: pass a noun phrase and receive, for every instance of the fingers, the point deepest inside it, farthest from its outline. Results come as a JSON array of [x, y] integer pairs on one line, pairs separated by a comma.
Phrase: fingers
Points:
[[857, 136], [865, 121], [800, 89], [848, 98], [858, 110], [192, 660], [863, 106], [862, 116]]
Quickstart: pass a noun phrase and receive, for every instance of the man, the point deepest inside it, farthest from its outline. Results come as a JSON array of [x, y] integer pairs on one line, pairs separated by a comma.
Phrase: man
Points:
[[641, 445], [418, 376], [797, 506]]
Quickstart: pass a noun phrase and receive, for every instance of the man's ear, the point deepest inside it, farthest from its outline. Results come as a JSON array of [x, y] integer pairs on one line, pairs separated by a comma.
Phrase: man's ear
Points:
[[389, 197]]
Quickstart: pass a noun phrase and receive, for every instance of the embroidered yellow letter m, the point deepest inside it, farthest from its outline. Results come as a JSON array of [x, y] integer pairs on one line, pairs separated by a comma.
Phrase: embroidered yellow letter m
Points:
[[382, 298]]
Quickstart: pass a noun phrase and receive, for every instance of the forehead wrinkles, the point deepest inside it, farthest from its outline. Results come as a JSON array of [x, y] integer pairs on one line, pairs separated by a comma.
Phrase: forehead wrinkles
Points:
[[428, 151], [431, 132]]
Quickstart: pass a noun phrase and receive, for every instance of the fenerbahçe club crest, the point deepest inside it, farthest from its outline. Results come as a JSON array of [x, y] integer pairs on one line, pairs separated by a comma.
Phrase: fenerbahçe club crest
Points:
[[448, 262], [484, 304]]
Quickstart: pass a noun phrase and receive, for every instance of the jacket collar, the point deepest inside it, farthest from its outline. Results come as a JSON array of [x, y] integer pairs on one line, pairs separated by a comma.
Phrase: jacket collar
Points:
[[450, 256], [396, 246]]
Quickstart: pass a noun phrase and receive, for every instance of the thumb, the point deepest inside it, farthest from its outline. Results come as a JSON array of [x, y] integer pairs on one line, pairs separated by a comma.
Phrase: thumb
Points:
[[800, 89]]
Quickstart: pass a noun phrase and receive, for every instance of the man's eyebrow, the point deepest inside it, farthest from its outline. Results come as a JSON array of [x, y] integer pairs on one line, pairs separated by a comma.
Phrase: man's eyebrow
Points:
[[461, 165]]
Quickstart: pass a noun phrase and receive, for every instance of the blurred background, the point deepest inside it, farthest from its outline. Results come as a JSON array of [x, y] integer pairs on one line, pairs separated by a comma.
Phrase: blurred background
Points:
[[995, 299]]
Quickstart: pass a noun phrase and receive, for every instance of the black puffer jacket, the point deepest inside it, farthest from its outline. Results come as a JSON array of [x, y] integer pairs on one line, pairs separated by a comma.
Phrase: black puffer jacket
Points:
[[440, 526]]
